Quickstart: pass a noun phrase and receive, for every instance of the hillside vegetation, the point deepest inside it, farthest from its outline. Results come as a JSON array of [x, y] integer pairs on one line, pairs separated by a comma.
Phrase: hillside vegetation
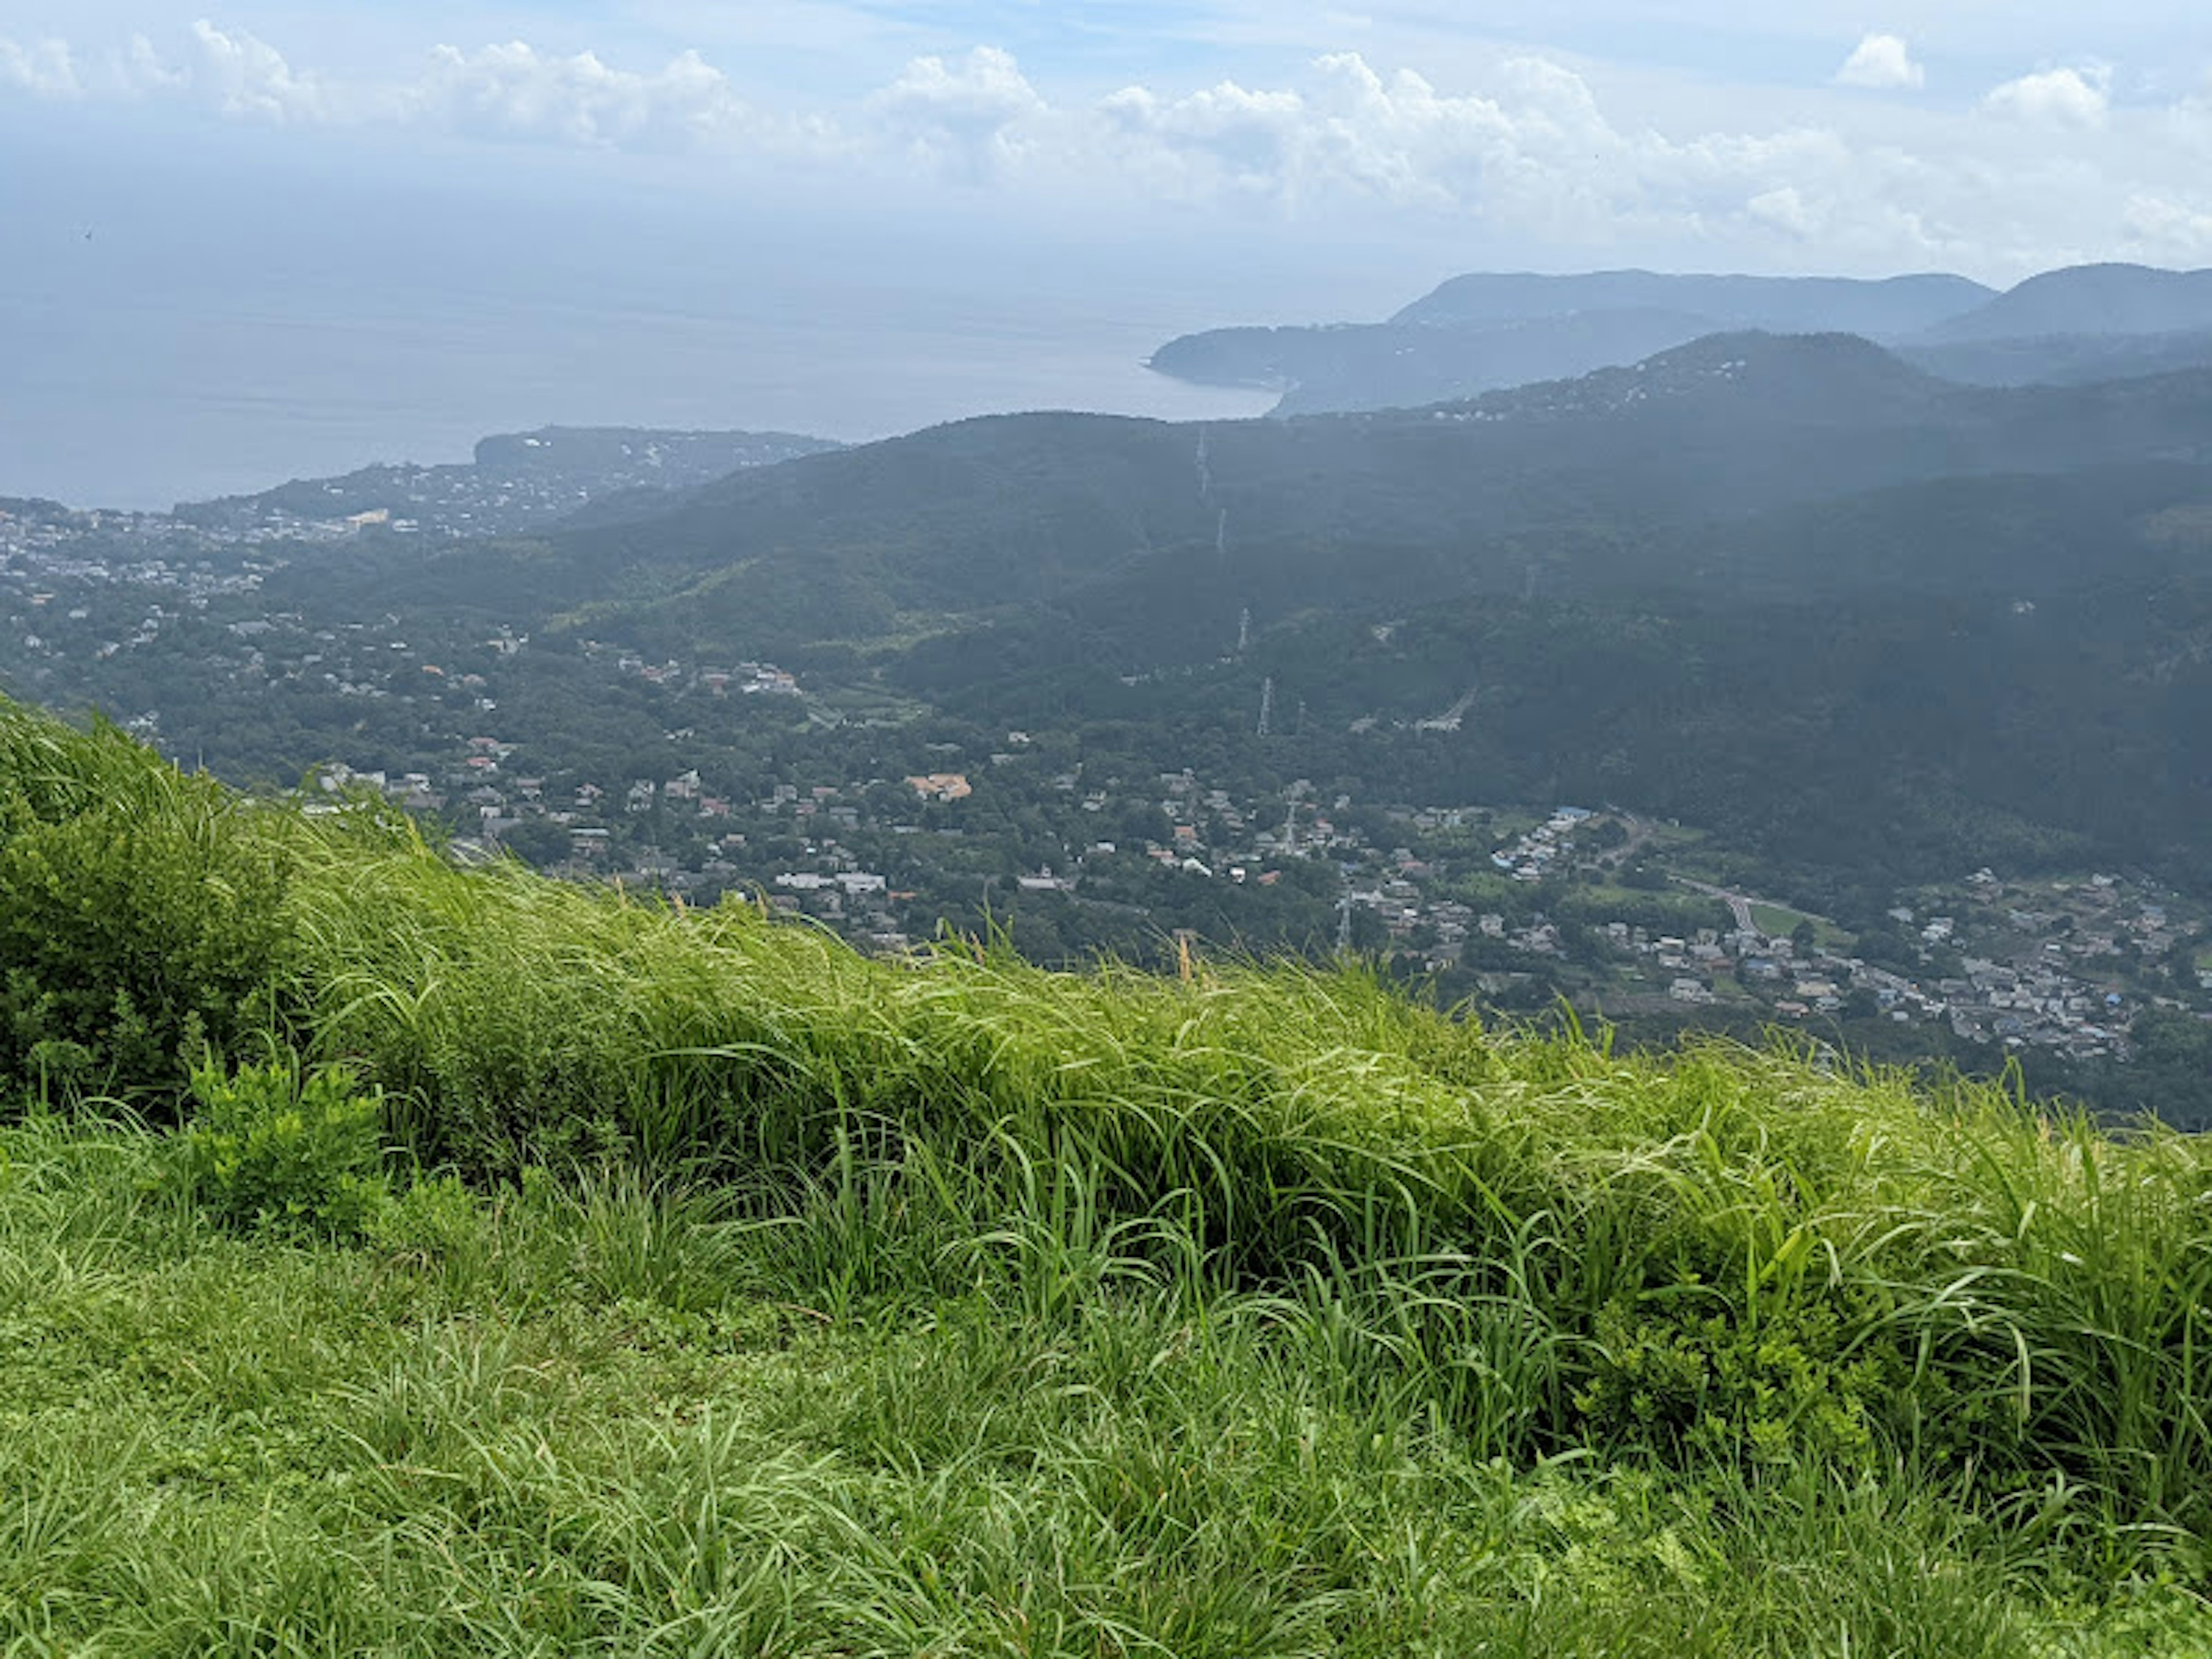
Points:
[[718, 1289]]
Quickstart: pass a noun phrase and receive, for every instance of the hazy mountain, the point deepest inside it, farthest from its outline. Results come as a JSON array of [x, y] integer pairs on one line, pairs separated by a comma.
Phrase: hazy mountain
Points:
[[1800, 305], [1483, 332], [2111, 299], [2063, 359], [1151, 528], [1404, 365]]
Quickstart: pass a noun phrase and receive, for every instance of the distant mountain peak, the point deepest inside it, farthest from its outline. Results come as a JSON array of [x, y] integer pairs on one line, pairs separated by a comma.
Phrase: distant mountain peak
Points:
[[2089, 300]]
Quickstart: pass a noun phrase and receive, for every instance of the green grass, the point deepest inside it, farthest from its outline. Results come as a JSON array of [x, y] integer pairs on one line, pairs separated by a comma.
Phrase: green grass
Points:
[[611, 1418], [1779, 922], [791, 1302]]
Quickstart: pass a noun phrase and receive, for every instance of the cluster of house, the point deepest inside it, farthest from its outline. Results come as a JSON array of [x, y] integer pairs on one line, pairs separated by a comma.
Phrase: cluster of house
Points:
[[54, 561], [745, 680], [1545, 848]]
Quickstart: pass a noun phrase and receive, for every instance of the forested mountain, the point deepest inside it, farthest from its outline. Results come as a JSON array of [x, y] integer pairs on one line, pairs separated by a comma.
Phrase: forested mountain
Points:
[[1398, 364], [2063, 359], [1483, 331], [2107, 299], [1070, 510]]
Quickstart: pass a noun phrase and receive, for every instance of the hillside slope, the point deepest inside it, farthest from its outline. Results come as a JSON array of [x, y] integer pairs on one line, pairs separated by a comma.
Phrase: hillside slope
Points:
[[2097, 299], [1025, 509]]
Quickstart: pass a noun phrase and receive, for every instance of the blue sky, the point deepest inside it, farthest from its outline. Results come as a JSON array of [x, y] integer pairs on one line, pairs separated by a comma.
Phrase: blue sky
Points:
[[1010, 174]]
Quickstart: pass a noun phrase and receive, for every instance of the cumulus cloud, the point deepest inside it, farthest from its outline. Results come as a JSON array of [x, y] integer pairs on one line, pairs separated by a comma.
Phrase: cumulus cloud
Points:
[[1784, 208], [1525, 154], [1532, 153], [964, 116], [1351, 131], [1883, 63], [511, 91], [2162, 229], [2059, 98], [45, 68], [141, 70], [1246, 140], [515, 91], [248, 76]]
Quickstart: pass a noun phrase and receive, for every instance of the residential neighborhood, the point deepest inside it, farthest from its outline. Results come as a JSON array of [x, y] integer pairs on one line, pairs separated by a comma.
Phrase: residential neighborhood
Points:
[[747, 777]]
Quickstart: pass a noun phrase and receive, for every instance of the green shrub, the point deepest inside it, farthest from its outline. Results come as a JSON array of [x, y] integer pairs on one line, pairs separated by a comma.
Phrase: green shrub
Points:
[[1715, 1387], [271, 1150], [141, 912]]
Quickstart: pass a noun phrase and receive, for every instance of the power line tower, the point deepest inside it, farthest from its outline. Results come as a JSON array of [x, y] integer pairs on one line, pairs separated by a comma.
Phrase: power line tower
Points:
[[1267, 704], [1244, 629]]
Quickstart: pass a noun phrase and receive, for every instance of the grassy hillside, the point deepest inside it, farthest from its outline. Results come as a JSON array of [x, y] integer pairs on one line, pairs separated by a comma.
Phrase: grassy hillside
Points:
[[772, 1299]]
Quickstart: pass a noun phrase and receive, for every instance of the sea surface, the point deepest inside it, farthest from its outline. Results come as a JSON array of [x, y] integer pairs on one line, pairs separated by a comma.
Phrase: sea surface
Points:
[[144, 405], [173, 327]]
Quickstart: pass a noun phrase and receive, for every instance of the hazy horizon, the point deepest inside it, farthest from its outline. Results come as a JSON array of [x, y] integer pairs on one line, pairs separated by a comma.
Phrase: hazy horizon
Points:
[[279, 241]]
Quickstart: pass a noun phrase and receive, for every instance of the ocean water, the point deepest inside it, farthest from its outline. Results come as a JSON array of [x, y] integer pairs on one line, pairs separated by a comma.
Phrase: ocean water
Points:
[[218, 314], [182, 396]]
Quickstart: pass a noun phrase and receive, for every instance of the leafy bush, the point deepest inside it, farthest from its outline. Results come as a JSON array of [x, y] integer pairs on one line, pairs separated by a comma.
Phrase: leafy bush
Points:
[[1717, 1387], [141, 912], [273, 1150]]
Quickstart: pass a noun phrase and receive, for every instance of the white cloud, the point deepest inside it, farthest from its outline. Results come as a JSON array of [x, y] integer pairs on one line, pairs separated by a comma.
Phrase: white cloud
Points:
[[1351, 133], [2165, 230], [248, 76], [142, 70], [1522, 156], [1883, 63], [963, 116], [1226, 136], [515, 91], [2059, 97], [1784, 208], [45, 68], [1532, 155]]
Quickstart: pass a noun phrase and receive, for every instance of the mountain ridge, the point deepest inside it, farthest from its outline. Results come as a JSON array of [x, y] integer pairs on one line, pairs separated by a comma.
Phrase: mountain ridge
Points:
[[1484, 332], [1002, 511]]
